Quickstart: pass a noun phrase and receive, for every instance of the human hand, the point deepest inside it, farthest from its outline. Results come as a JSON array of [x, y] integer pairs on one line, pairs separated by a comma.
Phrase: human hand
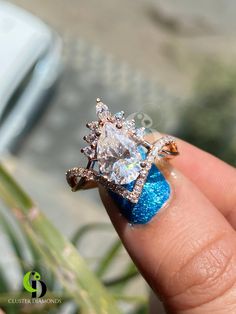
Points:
[[187, 252]]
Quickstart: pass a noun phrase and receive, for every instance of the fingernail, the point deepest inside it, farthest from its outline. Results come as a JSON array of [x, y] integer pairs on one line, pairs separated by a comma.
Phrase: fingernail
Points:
[[156, 192]]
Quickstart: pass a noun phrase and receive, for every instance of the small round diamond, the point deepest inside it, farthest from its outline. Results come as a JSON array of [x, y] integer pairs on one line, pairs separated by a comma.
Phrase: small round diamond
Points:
[[119, 115], [140, 132], [90, 138], [129, 124], [92, 125], [88, 151]]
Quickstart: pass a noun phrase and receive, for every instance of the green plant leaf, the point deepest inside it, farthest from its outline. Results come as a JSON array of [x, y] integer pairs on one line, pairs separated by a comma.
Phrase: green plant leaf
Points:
[[16, 243], [119, 282], [19, 247], [4, 287], [108, 258], [58, 253], [82, 231], [130, 299]]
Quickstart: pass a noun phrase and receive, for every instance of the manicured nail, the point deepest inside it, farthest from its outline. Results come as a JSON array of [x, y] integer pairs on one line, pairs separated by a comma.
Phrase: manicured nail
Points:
[[156, 192]]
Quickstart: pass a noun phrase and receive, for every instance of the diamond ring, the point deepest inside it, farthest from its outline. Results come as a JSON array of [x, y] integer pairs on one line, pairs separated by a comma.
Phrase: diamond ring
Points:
[[119, 156]]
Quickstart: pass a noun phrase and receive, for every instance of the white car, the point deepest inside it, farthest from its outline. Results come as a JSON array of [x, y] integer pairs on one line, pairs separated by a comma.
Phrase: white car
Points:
[[30, 64]]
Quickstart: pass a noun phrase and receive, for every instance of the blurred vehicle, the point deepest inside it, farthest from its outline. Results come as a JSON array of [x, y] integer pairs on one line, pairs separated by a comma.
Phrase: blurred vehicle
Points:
[[30, 65]]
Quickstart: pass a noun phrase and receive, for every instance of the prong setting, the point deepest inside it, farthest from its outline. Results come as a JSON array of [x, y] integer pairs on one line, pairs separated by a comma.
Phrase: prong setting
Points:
[[165, 147]]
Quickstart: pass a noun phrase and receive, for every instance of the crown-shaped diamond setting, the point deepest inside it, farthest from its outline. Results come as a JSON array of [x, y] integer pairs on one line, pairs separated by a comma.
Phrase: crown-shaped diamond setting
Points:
[[121, 152]]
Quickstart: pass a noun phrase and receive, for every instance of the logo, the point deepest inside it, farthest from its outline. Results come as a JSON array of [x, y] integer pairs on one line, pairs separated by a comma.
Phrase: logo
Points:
[[34, 285], [141, 119]]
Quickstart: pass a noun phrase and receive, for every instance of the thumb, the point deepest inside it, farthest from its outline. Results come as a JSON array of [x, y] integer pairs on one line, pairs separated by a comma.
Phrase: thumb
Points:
[[186, 253]]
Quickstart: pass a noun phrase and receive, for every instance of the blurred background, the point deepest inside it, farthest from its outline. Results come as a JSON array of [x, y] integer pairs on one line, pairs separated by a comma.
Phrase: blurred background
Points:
[[172, 63]]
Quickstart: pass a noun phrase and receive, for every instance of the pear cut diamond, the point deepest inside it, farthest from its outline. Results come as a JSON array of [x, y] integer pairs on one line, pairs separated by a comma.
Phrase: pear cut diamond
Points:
[[118, 155]]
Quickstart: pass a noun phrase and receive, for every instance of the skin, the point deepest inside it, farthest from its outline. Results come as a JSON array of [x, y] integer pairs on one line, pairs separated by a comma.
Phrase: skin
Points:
[[187, 253]]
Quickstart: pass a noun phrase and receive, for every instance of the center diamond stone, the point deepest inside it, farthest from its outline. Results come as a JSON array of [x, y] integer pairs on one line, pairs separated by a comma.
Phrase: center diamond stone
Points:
[[118, 155]]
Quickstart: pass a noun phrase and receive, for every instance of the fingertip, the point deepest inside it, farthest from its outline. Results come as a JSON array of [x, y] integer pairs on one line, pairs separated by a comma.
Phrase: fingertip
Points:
[[181, 231]]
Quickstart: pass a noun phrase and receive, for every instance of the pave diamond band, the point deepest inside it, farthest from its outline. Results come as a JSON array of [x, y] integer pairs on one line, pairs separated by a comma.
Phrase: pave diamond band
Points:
[[121, 153]]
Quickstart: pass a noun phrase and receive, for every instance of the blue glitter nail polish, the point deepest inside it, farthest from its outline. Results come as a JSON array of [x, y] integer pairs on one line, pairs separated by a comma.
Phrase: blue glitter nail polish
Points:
[[155, 193]]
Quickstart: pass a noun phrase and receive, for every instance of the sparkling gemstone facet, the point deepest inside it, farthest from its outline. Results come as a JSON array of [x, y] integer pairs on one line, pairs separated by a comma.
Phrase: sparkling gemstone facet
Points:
[[130, 124], [155, 193], [140, 132], [119, 115], [118, 155], [89, 152], [102, 111]]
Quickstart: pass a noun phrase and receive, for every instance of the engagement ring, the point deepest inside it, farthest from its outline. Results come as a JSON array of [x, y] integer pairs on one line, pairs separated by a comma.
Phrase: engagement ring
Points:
[[118, 155]]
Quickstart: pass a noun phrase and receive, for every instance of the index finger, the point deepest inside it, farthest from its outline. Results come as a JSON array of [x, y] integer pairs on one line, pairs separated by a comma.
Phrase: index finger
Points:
[[214, 178]]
